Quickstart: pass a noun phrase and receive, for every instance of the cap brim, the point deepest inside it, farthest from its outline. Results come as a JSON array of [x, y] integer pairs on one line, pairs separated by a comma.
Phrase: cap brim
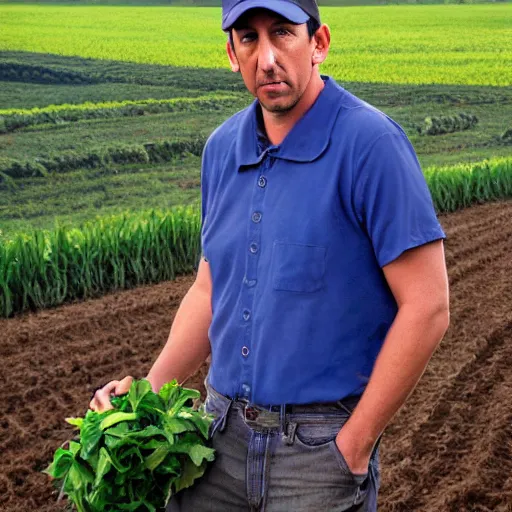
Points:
[[285, 9]]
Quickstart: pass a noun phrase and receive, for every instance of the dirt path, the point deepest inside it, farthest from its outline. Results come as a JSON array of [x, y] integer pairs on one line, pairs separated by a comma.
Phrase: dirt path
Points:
[[449, 448]]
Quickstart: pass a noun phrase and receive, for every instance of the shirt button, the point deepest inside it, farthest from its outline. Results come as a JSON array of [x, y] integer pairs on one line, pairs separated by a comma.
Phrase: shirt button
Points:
[[250, 282], [246, 389], [253, 247], [262, 182], [245, 351], [246, 314], [256, 217]]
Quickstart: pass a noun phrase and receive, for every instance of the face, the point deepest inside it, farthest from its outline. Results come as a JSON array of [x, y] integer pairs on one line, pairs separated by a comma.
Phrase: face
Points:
[[275, 57]]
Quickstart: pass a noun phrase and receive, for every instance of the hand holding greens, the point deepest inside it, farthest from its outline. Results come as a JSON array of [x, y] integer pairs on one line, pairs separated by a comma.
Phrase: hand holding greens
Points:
[[137, 455]]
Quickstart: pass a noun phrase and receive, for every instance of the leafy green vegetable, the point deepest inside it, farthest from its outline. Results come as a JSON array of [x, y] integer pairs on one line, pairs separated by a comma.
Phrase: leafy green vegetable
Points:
[[137, 455]]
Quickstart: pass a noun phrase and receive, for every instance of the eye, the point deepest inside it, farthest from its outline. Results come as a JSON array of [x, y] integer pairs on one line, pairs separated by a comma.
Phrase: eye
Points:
[[281, 32], [248, 37]]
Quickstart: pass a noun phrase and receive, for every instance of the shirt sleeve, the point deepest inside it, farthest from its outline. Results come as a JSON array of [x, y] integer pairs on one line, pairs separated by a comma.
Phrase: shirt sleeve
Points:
[[205, 196], [393, 202]]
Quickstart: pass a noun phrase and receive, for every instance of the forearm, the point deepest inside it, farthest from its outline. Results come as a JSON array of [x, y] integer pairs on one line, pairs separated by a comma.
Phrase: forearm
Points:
[[188, 345], [409, 345]]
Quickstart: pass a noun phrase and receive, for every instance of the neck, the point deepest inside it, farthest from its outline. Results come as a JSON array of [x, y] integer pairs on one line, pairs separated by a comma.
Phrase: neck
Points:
[[279, 124]]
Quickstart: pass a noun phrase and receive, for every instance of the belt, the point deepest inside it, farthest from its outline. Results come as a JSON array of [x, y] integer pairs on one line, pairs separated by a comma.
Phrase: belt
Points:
[[272, 416], [275, 416]]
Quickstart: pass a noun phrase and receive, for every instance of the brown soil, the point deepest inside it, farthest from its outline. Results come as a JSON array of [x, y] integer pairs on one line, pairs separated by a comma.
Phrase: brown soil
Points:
[[448, 449]]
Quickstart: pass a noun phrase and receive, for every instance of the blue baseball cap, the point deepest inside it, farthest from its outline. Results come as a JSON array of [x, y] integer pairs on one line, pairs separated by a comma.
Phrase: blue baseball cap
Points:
[[296, 11]]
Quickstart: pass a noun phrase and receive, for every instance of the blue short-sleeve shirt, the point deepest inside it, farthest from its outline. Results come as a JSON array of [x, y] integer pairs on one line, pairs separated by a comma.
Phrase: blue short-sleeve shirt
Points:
[[296, 236]]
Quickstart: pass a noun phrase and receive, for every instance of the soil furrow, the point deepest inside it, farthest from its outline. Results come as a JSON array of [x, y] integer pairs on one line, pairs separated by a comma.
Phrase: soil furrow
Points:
[[488, 239], [461, 417]]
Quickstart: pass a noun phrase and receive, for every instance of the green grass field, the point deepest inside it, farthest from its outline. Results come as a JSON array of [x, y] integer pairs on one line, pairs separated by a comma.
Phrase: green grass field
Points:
[[443, 44]]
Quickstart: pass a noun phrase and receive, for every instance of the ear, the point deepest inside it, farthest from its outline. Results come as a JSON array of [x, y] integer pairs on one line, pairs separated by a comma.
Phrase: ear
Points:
[[233, 61], [322, 41]]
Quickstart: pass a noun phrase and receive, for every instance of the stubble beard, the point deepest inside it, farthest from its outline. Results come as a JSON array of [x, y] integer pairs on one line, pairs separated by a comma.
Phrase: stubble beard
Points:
[[279, 109]]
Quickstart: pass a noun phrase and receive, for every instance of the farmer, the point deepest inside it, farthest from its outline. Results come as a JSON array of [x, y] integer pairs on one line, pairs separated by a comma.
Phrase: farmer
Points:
[[322, 291]]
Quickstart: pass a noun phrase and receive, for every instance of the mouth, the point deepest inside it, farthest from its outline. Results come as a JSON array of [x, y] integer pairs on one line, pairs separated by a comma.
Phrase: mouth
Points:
[[273, 85]]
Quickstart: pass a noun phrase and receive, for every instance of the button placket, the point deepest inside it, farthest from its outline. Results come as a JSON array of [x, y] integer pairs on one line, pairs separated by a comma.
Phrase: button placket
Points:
[[253, 244]]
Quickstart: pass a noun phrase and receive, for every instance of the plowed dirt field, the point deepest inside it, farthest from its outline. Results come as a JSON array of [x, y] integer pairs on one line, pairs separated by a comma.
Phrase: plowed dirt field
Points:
[[448, 449]]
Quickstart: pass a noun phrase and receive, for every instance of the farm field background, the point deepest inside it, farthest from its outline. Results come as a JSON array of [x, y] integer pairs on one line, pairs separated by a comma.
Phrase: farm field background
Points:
[[480, 35], [103, 115]]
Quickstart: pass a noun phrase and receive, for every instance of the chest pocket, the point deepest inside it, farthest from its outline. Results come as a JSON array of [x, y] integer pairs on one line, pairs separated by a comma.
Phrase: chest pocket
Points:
[[298, 267]]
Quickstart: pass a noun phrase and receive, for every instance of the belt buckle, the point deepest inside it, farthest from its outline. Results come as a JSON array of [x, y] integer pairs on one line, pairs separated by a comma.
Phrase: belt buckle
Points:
[[250, 413]]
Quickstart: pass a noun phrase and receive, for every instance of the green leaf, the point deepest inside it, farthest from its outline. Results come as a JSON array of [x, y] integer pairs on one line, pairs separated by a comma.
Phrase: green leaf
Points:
[[201, 421], [151, 403], [190, 473], [79, 476], [74, 448], [157, 457], [120, 430], [62, 461], [149, 431], [138, 390], [168, 392], [114, 444], [121, 403], [117, 417], [77, 422], [98, 499], [104, 465], [178, 426], [181, 400], [191, 445], [90, 433], [198, 453]]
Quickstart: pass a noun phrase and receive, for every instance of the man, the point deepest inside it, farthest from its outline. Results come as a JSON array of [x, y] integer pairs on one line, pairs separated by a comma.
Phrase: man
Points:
[[322, 292]]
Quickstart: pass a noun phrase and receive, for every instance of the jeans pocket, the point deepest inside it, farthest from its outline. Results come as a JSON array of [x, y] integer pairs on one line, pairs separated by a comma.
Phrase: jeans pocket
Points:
[[343, 486], [218, 410], [360, 481], [319, 430]]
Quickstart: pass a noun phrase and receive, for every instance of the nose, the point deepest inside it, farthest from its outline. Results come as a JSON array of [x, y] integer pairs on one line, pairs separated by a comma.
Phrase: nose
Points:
[[266, 56]]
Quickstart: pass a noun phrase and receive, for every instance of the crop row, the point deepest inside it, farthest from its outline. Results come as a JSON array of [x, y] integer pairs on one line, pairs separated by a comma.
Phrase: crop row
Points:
[[459, 186], [99, 157], [14, 119], [45, 269]]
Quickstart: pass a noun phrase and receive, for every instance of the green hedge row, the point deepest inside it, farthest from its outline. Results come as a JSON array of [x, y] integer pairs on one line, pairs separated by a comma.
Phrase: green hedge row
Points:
[[14, 119], [65, 161], [53, 69], [19, 72], [45, 269], [448, 124]]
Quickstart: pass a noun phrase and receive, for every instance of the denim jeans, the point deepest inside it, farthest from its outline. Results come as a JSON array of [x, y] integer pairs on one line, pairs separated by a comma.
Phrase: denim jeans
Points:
[[291, 466]]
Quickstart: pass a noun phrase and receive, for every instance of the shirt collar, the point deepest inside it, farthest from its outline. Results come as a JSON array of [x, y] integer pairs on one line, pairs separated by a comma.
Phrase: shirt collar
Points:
[[307, 140]]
